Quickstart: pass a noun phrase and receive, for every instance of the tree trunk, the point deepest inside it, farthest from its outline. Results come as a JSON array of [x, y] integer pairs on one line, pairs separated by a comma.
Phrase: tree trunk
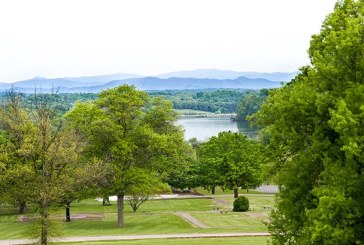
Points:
[[213, 190], [44, 221], [68, 214], [106, 201], [121, 210], [22, 207], [236, 193]]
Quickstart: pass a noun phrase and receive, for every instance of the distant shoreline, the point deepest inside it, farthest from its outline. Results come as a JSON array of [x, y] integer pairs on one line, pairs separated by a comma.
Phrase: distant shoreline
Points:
[[208, 115]]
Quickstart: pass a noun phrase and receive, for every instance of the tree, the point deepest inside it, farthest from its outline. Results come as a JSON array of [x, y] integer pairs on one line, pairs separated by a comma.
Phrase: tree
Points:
[[128, 131], [231, 161], [38, 157], [250, 103], [17, 174], [315, 126], [146, 185]]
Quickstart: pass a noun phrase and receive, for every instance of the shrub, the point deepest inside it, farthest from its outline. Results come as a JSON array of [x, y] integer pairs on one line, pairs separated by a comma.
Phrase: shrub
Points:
[[241, 204]]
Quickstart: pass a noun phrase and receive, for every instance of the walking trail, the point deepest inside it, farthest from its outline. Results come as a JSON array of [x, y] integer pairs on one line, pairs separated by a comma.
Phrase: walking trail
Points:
[[192, 220], [138, 237]]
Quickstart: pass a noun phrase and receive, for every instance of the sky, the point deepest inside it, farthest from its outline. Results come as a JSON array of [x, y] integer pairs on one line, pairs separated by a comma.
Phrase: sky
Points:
[[61, 38]]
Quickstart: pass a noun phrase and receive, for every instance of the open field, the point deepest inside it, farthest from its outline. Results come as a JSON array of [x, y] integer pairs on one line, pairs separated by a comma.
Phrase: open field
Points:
[[155, 217], [185, 241]]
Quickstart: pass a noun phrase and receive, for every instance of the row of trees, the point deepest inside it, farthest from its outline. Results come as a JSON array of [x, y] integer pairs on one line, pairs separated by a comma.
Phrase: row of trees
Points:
[[242, 102], [121, 143], [216, 101]]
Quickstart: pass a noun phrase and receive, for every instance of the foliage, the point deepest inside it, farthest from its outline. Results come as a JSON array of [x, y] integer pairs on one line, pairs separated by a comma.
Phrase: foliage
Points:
[[241, 204], [38, 156], [216, 101], [250, 102], [131, 133], [229, 160], [315, 126], [145, 184]]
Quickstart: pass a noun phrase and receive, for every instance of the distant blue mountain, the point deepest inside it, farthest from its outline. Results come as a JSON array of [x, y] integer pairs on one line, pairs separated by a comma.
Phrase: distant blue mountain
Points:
[[197, 79], [227, 74], [176, 83]]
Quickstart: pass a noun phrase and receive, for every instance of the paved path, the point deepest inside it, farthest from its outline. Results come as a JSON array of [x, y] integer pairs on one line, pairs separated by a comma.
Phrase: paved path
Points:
[[137, 237], [192, 220]]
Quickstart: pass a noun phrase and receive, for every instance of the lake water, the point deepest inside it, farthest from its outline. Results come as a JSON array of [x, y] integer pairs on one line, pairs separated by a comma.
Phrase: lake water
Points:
[[204, 128]]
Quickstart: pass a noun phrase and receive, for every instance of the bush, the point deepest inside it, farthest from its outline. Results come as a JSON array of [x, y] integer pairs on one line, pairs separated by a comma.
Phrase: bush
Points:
[[241, 204]]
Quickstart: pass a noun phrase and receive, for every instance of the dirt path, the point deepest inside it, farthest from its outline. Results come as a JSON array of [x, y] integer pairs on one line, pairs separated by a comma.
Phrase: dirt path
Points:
[[192, 220], [138, 237]]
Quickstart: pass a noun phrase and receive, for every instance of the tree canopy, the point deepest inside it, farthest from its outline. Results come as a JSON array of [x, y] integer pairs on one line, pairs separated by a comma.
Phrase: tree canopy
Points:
[[316, 131], [230, 161], [131, 133]]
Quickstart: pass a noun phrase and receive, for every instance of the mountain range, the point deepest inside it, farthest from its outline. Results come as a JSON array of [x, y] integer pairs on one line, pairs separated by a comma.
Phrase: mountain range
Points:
[[194, 79]]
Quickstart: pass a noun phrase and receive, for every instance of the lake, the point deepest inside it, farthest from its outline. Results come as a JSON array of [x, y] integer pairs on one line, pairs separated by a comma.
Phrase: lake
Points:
[[203, 128]]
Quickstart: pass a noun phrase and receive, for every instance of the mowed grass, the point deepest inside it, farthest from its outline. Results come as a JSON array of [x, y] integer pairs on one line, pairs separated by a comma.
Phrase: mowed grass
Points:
[[158, 205], [241, 222], [185, 241], [153, 217], [257, 202], [134, 224]]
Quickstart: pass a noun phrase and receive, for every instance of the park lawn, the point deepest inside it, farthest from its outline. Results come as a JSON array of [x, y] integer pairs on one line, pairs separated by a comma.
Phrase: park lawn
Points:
[[11, 227], [152, 223], [241, 222], [153, 217], [257, 202], [158, 205], [184, 241]]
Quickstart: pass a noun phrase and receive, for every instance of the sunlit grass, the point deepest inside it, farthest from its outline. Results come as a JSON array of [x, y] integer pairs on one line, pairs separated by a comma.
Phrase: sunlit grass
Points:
[[185, 241], [153, 217]]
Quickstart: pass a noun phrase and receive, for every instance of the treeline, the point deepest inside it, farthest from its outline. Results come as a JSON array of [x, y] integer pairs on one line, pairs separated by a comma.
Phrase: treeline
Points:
[[243, 102], [215, 101], [61, 103], [123, 143]]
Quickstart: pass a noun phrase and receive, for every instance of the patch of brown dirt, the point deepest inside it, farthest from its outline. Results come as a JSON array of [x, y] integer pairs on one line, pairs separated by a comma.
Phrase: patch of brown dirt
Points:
[[79, 216]]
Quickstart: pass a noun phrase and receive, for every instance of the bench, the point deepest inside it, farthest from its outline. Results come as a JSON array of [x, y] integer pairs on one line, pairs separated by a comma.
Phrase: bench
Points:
[[267, 207], [223, 211]]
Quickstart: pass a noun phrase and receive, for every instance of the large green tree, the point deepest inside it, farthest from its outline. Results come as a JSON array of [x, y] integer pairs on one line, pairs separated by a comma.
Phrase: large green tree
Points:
[[231, 161], [316, 130], [128, 131]]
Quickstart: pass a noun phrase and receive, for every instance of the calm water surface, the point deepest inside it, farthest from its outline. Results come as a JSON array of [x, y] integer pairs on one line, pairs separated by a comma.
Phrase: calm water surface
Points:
[[204, 128]]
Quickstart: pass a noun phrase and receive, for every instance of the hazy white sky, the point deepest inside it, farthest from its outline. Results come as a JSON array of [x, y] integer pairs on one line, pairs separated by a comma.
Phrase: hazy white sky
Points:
[[92, 37]]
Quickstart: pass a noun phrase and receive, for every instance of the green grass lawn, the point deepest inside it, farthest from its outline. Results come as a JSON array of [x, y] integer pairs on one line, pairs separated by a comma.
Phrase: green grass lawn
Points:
[[185, 241], [257, 202], [241, 222], [161, 205], [153, 217], [134, 224]]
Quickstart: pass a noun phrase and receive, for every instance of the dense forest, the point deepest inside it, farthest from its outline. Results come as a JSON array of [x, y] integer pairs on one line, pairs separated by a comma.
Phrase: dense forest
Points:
[[241, 101]]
